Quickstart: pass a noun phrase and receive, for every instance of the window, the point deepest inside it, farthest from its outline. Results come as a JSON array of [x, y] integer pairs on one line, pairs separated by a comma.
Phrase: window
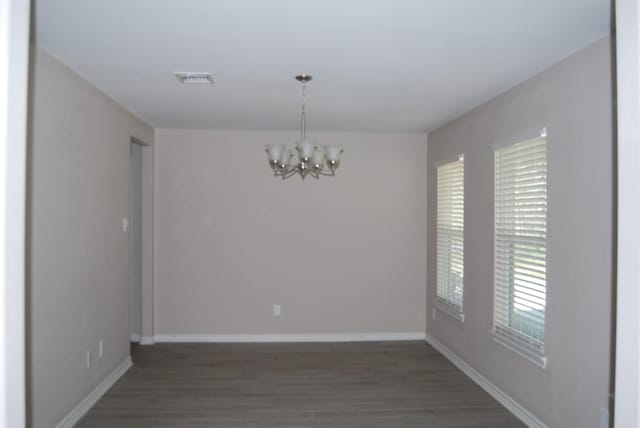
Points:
[[450, 237], [520, 268]]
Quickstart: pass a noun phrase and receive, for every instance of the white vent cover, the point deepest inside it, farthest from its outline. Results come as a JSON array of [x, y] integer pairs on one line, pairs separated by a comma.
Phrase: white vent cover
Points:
[[194, 77]]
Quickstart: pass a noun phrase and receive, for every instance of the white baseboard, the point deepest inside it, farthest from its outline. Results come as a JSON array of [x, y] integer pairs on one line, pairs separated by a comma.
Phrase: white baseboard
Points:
[[281, 338], [83, 407], [135, 338], [520, 412], [147, 340]]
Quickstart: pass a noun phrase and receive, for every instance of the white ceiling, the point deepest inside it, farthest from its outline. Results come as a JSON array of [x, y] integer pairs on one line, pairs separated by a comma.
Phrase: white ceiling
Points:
[[378, 65]]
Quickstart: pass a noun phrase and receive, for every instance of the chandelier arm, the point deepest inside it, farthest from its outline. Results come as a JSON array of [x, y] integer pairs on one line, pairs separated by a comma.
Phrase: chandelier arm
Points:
[[289, 173], [314, 174], [328, 174]]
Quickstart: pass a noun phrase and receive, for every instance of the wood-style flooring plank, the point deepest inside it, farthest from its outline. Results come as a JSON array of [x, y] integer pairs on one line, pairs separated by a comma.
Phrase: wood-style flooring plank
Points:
[[341, 385]]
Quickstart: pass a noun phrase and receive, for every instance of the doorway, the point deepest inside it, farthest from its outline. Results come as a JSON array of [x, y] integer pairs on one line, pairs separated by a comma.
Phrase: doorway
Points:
[[140, 225], [135, 241]]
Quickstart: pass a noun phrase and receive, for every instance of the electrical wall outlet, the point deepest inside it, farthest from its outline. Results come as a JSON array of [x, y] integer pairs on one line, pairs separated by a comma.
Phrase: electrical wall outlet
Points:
[[89, 358], [100, 348], [433, 313], [276, 310], [125, 224]]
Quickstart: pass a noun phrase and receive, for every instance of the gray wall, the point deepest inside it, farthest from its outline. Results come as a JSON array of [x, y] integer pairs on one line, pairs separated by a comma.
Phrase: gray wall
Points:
[[79, 263], [341, 255], [573, 100]]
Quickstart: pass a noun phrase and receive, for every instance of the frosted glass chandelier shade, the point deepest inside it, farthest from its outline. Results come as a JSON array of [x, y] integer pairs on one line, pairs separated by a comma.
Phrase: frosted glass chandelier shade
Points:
[[305, 149], [275, 151], [285, 159], [333, 153], [312, 159], [317, 158]]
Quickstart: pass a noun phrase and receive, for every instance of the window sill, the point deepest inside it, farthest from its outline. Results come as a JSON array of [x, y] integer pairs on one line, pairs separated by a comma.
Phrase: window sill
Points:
[[450, 310], [527, 352]]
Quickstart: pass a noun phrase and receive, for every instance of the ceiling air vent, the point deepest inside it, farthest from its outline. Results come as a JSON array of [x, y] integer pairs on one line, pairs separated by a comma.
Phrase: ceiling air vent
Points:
[[194, 77]]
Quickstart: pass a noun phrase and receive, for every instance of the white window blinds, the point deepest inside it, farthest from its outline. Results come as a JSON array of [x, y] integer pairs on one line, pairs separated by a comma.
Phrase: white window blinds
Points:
[[450, 236], [520, 270]]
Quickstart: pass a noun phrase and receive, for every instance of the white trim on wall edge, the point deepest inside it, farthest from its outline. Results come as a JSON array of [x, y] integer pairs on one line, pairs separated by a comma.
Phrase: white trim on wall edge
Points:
[[83, 407], [135, 338], [147, 340], [280, 338], [520, 412]]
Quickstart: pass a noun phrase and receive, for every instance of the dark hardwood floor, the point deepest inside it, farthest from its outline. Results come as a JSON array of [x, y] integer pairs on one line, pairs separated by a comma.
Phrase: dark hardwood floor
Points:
[[368, 385]]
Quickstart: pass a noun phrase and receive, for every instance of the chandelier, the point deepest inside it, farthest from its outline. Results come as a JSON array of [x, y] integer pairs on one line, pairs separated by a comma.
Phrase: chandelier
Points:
[[311, 158]]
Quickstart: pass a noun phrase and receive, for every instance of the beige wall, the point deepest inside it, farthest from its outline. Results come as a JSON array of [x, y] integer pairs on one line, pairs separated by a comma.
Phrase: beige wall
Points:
[[79, 193], [574, 101], [341, 255]]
